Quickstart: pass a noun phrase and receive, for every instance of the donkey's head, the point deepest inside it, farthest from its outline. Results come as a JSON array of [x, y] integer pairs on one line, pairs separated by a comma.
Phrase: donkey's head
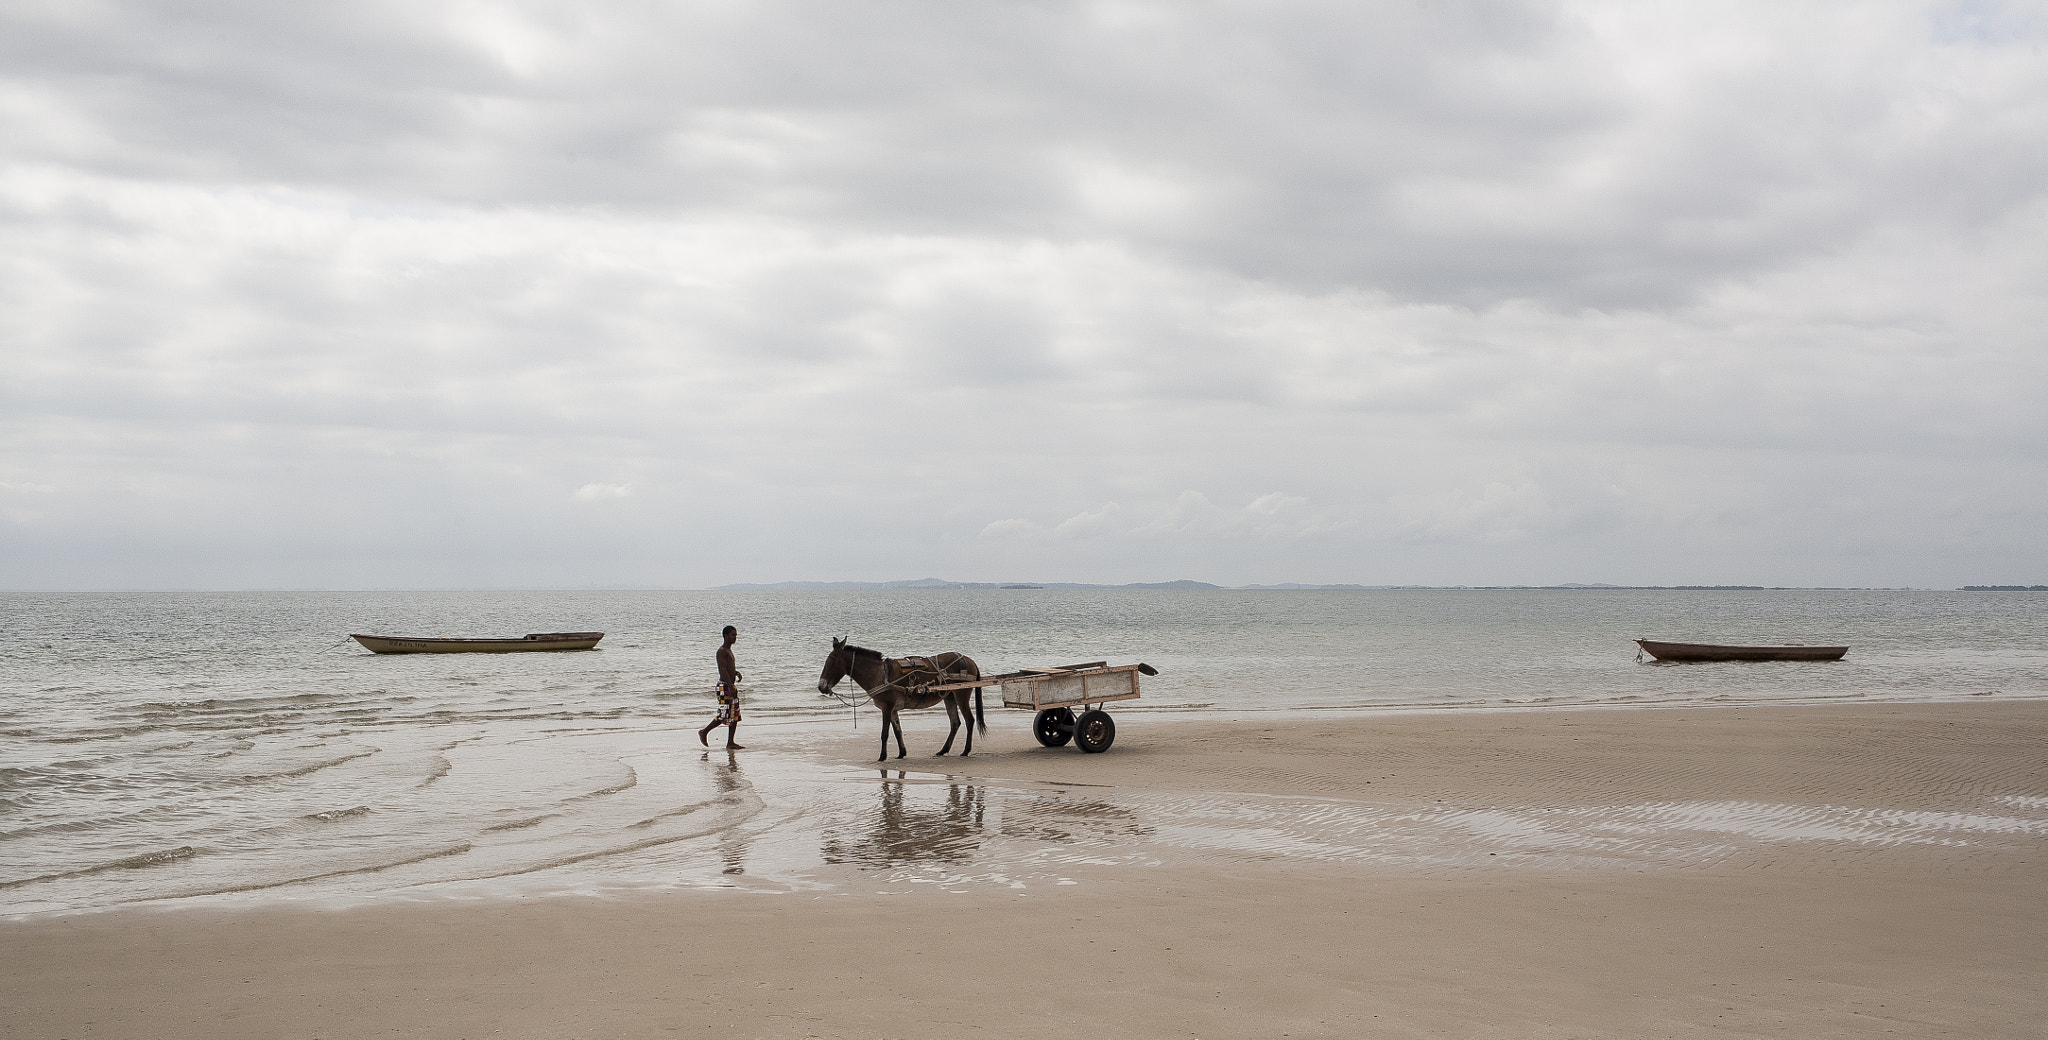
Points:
[[837, 664]]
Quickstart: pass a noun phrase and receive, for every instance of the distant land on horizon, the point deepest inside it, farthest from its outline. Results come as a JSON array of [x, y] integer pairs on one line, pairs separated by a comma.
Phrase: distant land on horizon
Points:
[[1190, 585], [942, 584]]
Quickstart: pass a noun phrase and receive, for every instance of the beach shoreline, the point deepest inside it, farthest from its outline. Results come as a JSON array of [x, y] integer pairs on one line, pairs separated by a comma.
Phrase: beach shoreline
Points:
[[1812, 870]]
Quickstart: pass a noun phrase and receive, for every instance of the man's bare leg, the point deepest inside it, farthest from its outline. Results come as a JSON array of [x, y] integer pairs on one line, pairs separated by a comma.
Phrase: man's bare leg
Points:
[[732, 731]]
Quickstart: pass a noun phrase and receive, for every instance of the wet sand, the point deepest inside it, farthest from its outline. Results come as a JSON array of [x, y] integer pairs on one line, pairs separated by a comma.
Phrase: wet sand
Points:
[[1784, 871]]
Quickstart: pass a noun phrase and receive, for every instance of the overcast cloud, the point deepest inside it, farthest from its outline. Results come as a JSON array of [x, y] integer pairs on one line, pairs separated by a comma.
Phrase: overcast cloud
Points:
[[434, 294]]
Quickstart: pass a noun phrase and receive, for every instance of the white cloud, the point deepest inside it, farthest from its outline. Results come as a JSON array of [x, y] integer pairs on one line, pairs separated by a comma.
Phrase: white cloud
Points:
[[600, 492], [1187, 510], [1081, 525], [1272, 504], [1011, 528], [1491, 513]]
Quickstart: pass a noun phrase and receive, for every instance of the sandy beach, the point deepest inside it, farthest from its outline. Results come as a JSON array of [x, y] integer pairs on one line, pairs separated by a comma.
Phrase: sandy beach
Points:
[[1768, 871]]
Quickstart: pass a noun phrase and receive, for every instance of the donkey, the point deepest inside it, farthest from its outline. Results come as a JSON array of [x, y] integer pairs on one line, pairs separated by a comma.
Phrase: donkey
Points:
[[895, 685]]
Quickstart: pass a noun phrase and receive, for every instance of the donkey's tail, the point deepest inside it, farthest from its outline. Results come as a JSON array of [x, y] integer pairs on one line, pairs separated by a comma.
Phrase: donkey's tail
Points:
[[980, 720]]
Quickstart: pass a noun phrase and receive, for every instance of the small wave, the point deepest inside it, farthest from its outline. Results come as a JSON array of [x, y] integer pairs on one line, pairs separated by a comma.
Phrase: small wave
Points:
[[441, 768], [671, 814], [151, 859], [634, 846], [216, 705], [453, 850], [147, 859], [304, 770], [332, 815], [521, 824], [174, 707], [632, 778], [67, 826]]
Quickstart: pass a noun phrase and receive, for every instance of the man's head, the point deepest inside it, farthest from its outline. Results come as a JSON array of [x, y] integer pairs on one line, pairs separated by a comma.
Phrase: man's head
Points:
[[732, 635]]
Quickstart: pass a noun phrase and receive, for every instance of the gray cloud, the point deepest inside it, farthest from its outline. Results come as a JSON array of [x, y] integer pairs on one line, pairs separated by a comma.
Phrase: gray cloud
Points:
[[1457, 292], [1465, 152]]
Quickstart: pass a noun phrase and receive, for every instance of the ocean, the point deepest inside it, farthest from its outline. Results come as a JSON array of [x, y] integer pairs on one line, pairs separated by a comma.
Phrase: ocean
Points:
[[184, 748]]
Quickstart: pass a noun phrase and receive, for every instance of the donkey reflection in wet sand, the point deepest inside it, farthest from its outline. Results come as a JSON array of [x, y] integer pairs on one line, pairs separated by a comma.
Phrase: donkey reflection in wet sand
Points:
[[912, 828], [895, 684]]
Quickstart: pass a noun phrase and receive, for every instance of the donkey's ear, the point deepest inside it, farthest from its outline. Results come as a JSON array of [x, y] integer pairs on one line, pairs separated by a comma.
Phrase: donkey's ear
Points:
[[838, 643]]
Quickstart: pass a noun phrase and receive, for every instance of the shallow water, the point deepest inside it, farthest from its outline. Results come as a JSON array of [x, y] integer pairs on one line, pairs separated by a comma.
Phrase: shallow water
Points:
[[164, 745]]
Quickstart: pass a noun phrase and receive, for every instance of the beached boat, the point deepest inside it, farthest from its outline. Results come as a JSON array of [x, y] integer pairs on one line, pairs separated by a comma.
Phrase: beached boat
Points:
[[1712, 652], [442, 645]]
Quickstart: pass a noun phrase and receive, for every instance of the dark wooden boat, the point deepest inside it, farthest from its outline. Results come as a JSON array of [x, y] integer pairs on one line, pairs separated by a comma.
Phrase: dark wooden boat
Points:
[[1711, 652], [442, 645]]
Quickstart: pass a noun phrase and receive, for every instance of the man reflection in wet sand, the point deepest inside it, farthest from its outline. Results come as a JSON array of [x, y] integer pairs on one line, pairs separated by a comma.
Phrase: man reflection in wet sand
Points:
[[728, 696], [732, 845]]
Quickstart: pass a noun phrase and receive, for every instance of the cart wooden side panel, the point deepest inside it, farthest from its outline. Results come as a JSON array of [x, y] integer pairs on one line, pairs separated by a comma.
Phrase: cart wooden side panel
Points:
[[1043, 688], [1072, 689]]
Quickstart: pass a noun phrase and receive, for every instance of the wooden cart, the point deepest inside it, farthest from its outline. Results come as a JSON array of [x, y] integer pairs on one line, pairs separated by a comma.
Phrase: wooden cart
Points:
[[1054, 693]]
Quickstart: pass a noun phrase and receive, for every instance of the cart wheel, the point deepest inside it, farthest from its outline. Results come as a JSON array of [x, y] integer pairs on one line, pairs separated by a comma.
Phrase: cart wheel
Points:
[[1095, 732], [1054, 727]]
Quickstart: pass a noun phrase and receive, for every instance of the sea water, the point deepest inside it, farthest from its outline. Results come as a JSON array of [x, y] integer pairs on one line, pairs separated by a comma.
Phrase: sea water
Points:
[[178, 746]]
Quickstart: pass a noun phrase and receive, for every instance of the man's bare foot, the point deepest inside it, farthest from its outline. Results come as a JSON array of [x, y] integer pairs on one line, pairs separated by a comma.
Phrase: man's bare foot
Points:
[[704, 736], [735, 747]]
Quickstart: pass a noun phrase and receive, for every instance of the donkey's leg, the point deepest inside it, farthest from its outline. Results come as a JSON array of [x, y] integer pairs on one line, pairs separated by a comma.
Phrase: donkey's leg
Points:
[[967, 715], [887, 713], [953, 718], [892, 719]]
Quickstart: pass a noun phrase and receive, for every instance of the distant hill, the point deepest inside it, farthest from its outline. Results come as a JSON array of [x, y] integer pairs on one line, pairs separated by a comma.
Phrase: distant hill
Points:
[[810, 586], [1288, 586], [939, 583], [1298, 585]]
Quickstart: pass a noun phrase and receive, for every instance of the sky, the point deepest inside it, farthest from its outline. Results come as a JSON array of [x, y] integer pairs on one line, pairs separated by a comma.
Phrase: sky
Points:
[[442, 294]]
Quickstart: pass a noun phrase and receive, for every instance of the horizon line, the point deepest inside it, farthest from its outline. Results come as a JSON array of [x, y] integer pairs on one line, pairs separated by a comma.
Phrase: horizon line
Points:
[[931, 584]]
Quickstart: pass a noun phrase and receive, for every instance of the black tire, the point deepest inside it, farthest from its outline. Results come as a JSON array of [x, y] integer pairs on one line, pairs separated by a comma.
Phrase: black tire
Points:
[[1053, 727], [1095, 732]]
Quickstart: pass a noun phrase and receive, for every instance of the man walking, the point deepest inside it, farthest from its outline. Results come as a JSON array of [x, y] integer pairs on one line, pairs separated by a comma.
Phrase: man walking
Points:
[[728, 696]]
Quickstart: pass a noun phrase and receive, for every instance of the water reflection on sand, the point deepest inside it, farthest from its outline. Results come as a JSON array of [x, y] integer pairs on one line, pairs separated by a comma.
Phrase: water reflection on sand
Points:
[[910, 824], [928, 827], [1059, 818], [732, 787], [914, 820], [630, 812]]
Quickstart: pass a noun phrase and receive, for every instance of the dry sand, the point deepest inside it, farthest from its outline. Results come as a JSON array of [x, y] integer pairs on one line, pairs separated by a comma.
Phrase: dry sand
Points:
[[1812, 929]]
